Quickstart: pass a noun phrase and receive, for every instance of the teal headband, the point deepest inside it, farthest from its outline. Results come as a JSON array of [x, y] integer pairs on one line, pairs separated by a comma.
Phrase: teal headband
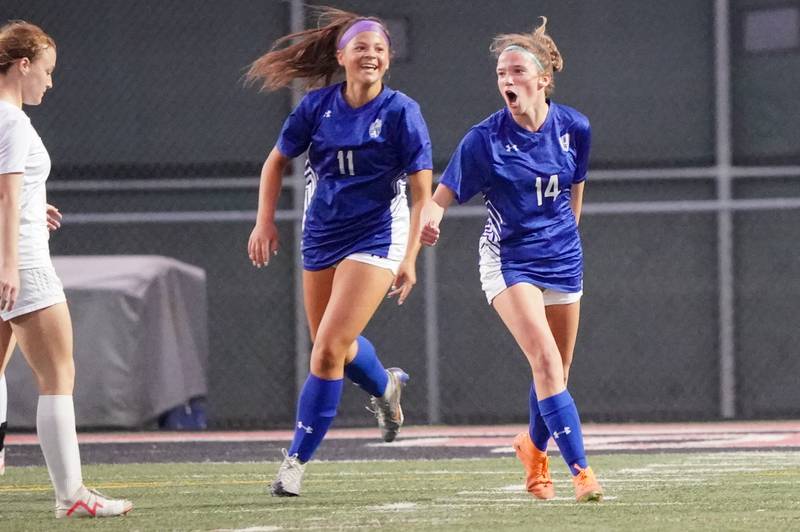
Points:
[[525, 51]]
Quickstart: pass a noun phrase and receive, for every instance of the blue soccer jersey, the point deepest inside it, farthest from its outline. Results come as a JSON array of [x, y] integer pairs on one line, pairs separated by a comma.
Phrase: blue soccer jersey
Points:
[[358, 162], [526, 178]]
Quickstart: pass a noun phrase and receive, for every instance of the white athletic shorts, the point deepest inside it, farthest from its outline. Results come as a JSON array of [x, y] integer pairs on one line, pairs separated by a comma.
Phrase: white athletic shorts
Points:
[[38, 288], [380, 262], [551, 297], [494, 283]]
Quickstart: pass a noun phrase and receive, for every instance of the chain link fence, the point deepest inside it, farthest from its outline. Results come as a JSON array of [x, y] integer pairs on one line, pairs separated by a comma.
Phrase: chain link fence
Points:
[[148, 116]]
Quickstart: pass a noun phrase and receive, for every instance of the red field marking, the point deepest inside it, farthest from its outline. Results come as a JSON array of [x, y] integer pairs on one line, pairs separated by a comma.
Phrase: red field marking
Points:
[[599, 437]]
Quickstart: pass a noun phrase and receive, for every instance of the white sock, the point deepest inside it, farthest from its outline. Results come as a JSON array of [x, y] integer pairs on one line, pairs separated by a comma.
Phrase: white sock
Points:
[[3, 400], [55, 425]]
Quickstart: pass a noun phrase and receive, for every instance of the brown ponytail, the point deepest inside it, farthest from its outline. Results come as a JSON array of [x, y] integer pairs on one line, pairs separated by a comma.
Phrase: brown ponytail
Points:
[[309, 55], [20, 39], [540, 44]]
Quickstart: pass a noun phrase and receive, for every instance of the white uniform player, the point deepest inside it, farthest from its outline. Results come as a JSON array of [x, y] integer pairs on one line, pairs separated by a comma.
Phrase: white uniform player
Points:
[[32, 304]]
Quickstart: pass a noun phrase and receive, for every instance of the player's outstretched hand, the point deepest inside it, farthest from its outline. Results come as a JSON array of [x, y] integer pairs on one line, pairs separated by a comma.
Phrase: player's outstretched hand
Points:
[[53, 217], [404, 281], [263, 243]]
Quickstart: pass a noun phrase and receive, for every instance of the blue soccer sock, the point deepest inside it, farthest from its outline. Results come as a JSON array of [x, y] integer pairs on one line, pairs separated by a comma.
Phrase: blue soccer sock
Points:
[[316, 409], [537, 428], [366, 370], [561, 415]]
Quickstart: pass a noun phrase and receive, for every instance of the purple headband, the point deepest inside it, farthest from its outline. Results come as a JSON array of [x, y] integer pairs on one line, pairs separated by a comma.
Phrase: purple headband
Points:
[[361, 26]]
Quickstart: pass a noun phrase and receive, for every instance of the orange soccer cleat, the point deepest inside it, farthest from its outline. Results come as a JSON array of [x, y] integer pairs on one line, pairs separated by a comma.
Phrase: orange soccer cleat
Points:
[[537, 472], [587, 489]]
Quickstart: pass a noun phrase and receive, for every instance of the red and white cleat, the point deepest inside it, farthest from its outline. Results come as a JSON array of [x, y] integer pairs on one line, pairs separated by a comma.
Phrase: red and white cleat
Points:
[[90, 503]]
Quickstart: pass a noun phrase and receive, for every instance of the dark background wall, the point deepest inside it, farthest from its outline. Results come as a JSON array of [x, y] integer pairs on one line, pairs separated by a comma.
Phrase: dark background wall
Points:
[[159, 82], [152, 90]]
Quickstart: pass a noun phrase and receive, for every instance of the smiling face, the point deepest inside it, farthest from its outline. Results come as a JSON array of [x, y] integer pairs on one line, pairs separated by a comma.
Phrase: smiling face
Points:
[[365, 58], [37, 76], [520, 82]]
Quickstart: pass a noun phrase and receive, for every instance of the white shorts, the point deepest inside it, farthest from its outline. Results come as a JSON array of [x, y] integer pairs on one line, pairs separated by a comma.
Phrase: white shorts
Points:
[[380, 262], [38, 288], [551, 297], [494, 283]]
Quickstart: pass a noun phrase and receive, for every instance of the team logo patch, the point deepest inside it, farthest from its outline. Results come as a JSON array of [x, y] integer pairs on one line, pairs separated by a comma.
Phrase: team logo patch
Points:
[[375, 128], [564, 140]]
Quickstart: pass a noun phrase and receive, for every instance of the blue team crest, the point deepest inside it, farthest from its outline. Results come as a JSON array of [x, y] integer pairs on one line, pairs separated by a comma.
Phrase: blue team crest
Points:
[[564, 140], [375, 128]]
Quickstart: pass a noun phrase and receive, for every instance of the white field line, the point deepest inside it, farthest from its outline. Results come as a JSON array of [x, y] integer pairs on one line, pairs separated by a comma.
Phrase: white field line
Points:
[[394, 507], [567, 484], [682, 470], [523, 499], [471, 503], [413, 442], [250, 529], [744, 457], [655, 447], [407, 472], [645, 481], [705, 463]]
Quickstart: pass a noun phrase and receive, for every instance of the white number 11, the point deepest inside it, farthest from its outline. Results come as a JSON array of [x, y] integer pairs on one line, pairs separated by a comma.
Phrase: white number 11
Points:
[[341, 155]]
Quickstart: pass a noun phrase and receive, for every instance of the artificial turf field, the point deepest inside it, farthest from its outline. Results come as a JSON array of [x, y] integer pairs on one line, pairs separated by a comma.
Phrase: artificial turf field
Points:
[[718, 491]]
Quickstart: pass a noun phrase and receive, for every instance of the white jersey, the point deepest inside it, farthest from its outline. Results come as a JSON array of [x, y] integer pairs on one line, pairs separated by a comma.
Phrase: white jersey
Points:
[[22, 151]]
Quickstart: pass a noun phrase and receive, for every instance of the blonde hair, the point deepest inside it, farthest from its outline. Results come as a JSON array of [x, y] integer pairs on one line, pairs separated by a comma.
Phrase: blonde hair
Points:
[[309, 55], [540, 44], [20, 39]]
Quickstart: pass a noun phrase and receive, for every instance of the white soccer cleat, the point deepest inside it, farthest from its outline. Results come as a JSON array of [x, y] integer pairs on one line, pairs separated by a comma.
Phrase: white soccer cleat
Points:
[[290, 477], [387, 409], [90, 503]]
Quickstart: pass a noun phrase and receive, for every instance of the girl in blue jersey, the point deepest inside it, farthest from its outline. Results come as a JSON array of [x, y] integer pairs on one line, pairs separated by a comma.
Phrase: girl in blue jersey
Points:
[[529, 161], [364, 141]]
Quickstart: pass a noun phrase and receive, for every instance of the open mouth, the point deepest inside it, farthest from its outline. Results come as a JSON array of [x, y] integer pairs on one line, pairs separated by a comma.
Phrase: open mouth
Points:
[[511, 96], [369, 67]]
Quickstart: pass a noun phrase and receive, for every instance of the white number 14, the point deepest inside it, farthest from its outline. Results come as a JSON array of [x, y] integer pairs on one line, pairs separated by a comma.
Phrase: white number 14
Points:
[[551, 191]]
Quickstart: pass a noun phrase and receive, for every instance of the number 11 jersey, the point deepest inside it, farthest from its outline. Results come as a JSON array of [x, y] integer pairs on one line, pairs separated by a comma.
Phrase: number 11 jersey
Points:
[[358, 162]]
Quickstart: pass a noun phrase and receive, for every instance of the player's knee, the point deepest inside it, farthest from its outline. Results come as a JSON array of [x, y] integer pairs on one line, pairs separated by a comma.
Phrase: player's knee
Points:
[[540, 355], [545, 362], [57, 377], [56, 384], [328, 354]]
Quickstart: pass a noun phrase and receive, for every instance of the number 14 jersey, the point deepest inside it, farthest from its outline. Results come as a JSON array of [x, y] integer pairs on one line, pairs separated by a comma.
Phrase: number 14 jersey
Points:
[[526, 179]]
